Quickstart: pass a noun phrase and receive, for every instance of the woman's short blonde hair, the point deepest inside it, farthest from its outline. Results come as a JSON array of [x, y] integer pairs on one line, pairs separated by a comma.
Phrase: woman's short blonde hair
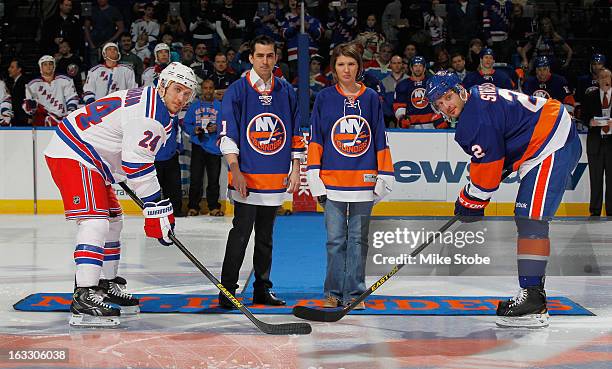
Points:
[[351, 50]]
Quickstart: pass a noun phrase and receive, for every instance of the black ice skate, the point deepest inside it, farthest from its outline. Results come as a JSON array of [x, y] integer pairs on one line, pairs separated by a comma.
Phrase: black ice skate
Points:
[[115, 293], [89, 309], [527, 309]]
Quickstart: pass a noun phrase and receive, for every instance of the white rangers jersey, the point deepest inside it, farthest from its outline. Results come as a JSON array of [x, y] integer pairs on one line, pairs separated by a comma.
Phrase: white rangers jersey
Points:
[[103, 80], [118, 136], [150, 27], [58, 97], [149, 76], [6, 108]]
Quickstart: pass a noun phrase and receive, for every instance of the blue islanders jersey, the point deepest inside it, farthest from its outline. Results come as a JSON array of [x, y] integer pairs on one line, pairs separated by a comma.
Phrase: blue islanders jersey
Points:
[[348, 151], [411, 106], [497, 78], [556, 87], [504, 129], [265, 127]]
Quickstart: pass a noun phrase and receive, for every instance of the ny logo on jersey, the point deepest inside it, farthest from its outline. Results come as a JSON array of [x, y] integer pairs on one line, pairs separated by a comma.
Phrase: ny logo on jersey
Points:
[[351, 135], [418, 99], [541, 93], [266, 133]]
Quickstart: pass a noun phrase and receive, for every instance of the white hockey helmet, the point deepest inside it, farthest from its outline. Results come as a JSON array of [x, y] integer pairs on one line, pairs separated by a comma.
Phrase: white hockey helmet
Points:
[[179, 73], [159, 47], [44, 59], [106, 46]]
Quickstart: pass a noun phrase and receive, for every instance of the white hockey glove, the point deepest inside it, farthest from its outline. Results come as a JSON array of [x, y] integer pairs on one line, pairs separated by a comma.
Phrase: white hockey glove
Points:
[[159, 221]]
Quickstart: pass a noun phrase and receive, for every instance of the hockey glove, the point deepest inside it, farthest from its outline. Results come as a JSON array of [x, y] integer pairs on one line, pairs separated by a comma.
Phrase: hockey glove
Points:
[[30, 106], [159, 221], [322, 200], [469, 208]]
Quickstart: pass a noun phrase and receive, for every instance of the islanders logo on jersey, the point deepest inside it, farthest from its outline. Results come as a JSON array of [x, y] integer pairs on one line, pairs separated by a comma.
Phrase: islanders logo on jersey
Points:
[[541, 93], [418, 98], [266, 133], [351, 135]]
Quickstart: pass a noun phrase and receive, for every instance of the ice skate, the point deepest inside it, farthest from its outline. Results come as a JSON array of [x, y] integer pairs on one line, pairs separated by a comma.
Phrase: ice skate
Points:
[[89, 309], [525, 310], [114, 290]]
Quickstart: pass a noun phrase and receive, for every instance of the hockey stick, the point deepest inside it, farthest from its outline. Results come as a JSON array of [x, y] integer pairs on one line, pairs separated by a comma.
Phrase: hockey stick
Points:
[[277, 329], [333, 315]]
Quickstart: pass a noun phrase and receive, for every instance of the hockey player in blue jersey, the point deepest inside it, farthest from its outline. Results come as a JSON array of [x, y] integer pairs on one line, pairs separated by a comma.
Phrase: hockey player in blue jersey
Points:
[[506, 130], [549, 85], [487, 74]]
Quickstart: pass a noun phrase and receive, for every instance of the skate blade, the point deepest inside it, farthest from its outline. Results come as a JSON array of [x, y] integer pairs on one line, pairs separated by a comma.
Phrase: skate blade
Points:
[[130, 310], [526, 321], [84, 320]]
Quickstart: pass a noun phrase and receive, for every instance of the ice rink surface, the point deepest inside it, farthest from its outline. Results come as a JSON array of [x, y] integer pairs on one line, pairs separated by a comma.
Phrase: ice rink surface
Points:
[[36, 256]]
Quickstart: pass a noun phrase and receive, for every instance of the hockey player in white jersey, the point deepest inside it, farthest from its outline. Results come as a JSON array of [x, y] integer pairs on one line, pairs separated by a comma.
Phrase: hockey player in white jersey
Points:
[[6, 108], [110, 140], [108, 77], [161, 54], [50, 97]]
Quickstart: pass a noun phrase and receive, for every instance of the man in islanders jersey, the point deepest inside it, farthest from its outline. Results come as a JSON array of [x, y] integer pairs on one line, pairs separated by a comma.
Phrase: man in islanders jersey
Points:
[[486, 74], [506, 130], [549, 85], [261, 141], [410, 104], [110, 140]]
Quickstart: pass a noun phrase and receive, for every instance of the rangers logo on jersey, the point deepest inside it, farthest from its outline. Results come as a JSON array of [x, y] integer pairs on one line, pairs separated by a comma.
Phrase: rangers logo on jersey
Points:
[[351, 135], [266, 133], [418, 99], [541, 93]]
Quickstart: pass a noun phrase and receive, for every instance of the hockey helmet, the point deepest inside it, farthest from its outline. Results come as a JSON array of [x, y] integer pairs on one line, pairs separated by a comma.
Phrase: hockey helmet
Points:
[[106, 46], [487, 51], [598, 58], [439, 84], [44, 59], [418, 60], [542, 61], [159, 47], [177, 72]]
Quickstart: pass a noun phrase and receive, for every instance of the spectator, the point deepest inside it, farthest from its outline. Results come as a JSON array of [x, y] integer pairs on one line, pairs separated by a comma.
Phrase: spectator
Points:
[[547, 42], [496, 26], [473, 55], [348, 171], [6, 106], [410, 105], [390, 83], [588, 82], [63, 26], [392, 22], [241, 64], [141, 49], [371, 38], [202, 122], [261, 170], [50, 97], [70, 65], [458, 65], [342, 24], [281, 67], [435, 27], [521, 28], [17, 86], [220, 76], [266, 21], [175, 47], [379, 67], [130, 58], [174, 25], [549, 85], [233, 24], [201, 65], [463, 23], [187, 57], [108, 77], [105, 25], [147, 24], [162, 59], [317, 80], [487, 74], [596, 111], [442, 60], [205, 25], [290, 29]]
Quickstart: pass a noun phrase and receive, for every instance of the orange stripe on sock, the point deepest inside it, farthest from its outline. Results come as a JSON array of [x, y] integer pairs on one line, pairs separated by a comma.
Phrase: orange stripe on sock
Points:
[[530, 246]]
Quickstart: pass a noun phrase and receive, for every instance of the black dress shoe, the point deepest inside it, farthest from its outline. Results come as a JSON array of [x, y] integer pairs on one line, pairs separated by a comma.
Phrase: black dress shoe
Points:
[[267, 298], [225, 303]]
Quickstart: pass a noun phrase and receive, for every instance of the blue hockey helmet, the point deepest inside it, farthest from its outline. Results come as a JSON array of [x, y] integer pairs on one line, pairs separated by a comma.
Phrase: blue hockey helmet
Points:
[[440, 83], [598, 58], [418, 60], [542, 61], [487, 51]]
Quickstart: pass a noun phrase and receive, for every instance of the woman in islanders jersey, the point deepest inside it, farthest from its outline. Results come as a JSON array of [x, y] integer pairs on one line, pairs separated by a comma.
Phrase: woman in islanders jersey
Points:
[[349, 168], [507, 130]]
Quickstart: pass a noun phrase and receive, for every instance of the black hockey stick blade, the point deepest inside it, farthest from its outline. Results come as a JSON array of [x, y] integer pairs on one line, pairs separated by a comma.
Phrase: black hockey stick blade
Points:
[[277, 329], [333, 315]]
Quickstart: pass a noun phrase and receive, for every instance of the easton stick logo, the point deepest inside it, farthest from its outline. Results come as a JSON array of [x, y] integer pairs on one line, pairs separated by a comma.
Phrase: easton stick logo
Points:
[[351, 135], [384, 278], [229, 295], [266, 133]]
